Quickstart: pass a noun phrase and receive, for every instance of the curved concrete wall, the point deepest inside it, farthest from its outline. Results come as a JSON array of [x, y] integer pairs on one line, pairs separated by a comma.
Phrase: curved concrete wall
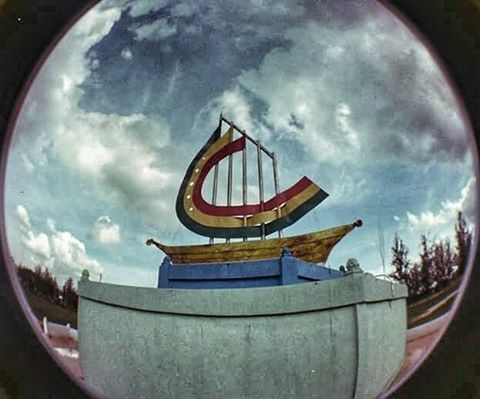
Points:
[[342, 338]]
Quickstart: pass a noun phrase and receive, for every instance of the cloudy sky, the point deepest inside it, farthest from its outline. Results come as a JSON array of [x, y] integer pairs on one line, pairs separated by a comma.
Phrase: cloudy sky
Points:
[[341, 91]]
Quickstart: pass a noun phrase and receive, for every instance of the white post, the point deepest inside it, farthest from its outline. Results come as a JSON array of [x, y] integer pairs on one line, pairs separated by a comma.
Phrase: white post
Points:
[[45, 325]]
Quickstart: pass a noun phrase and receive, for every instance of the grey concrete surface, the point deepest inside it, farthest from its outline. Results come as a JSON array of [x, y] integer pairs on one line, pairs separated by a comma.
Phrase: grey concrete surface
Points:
[[351, 289], [342, 338]]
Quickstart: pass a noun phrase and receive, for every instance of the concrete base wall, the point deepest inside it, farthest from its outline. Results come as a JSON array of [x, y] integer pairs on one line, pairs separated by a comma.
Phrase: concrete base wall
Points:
[[351, 351]]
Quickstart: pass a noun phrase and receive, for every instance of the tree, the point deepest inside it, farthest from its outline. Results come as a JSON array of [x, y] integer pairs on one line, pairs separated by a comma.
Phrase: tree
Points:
[[414, 281], [41, 282], [405, 272], [438, 263], [70, 297], [400, 260], [463, 240], [426, 270], [443, 262], [27, 278]]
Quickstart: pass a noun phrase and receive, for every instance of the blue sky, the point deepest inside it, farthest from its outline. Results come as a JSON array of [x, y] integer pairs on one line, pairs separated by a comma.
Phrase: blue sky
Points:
[[342, 92]]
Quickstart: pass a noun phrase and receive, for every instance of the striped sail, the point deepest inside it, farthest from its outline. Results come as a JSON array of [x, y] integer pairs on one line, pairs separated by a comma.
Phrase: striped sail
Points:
[[245, 220]]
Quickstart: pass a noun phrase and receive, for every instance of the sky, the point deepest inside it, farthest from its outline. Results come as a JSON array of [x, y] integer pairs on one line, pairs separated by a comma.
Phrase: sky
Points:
[[342, 92]]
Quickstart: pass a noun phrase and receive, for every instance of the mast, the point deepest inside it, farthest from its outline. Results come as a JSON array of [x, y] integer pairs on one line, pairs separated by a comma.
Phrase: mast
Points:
[[244, 184], [215, 181], [244, 133], [229, 184], [275, 180], [260, 149], [260, 182]]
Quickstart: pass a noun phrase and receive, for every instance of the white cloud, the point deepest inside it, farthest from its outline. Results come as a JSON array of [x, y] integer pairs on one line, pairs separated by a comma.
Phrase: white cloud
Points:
[[51, 225], [39, 246], [173, 79], [157, 30], [467, 201], [349, 98], [105, 231], [115, 155], [343, 124], [28, 164], [236, 107], [442, 221], [251, 18], [183, 10], [126, 54], [60, 251], [234, 104], [351, 187], [22, 215], [69, 255], [246, 9], [142, 7]]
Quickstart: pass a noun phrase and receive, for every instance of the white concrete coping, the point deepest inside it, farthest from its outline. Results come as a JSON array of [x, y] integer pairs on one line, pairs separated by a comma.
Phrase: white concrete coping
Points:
[[352, 289]]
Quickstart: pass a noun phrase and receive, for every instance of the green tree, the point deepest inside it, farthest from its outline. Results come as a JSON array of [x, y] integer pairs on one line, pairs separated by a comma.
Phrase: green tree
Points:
[[45, 284], [463, 240], [426, 269], [400, 260], [70, 297], [443, 262], [414, 281], [438, 263]]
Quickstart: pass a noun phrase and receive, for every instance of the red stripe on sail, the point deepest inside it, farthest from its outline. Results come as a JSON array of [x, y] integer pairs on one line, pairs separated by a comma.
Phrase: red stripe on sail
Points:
[[240, 210]]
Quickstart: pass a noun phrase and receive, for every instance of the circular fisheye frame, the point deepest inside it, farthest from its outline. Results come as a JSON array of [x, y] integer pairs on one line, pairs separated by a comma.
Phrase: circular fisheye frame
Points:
[[304, 177]]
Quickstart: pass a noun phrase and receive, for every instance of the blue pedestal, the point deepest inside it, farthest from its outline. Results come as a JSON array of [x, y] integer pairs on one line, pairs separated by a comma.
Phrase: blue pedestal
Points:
[[259, 273]]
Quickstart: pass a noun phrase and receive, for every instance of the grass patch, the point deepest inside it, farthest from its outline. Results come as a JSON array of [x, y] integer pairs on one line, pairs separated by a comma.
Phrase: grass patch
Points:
[[440, 311], [55, 313], [424, 304]]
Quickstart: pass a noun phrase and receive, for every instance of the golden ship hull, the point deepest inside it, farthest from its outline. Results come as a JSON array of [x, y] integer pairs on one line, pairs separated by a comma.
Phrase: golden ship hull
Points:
[[311, 247]]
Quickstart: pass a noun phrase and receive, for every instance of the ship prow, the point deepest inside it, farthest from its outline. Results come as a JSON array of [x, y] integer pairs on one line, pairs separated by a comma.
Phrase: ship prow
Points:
[[311, 247]]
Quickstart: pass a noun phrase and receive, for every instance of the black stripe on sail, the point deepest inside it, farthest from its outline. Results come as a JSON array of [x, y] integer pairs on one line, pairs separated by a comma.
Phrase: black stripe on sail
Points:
[[181, 211], [293, 216]]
